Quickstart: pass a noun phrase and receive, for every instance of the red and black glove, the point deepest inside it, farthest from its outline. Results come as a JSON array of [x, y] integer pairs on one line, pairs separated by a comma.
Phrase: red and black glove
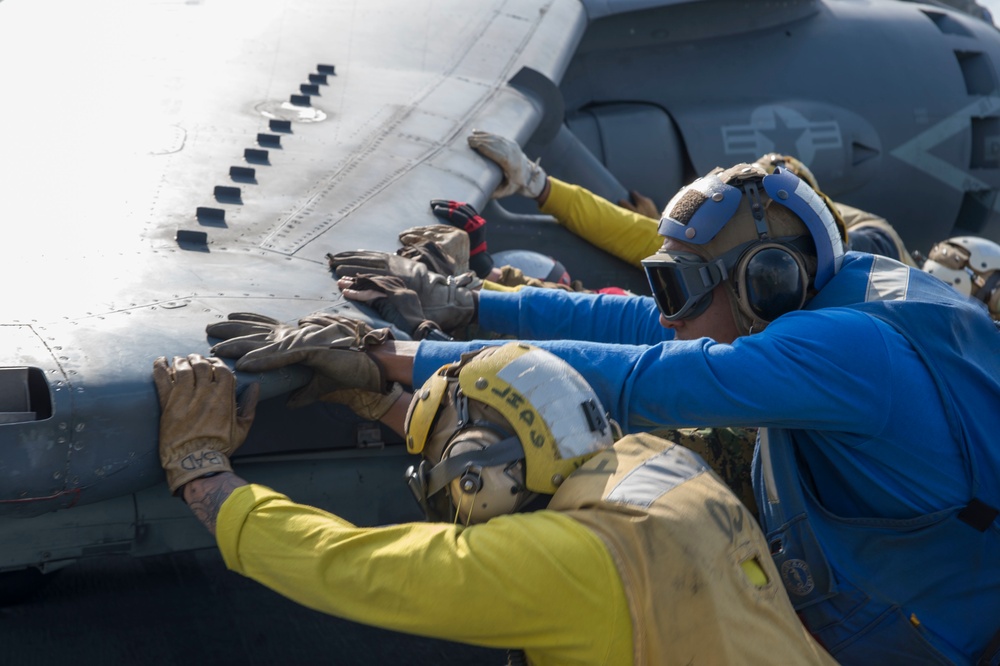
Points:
[[465, 217]]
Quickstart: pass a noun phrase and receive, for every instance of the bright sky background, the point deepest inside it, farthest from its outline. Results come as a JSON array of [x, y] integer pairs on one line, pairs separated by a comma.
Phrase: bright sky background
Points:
[[993, 6]]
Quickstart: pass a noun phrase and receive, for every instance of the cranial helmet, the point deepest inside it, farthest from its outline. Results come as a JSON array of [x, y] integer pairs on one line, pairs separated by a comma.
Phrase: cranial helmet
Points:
[[770, 237], [772, 160], [534, 264], [971, 265], [498, 427]]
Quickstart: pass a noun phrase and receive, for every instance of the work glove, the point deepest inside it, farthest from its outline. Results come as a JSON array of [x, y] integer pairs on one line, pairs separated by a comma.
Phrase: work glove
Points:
[[201, 423], [447, 301], [520, 175], [332, 345], [453, 242], [465, 217], [430, 255], [388, 295]]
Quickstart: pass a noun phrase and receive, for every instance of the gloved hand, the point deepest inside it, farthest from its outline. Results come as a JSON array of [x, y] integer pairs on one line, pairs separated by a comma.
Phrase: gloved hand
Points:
[[388, 295], [447, 301], [332, 345], [201, 423], [465, 217], [640, 204], [520, 175], [453, 242], [432, 256]]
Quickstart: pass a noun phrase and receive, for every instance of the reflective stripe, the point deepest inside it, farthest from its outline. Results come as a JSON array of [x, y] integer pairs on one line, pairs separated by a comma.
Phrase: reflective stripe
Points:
[[764, 439], [556, 393], [647, 482], [888, 280]]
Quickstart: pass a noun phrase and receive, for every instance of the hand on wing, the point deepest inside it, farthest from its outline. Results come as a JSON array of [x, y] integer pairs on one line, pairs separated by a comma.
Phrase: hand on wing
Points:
[[448, 301], [520, 175], [201, 421], [333, 346], [465, 217]]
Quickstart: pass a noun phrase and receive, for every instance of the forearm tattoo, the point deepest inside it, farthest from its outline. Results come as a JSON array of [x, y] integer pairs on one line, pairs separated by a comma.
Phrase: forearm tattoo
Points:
[[205, 496]]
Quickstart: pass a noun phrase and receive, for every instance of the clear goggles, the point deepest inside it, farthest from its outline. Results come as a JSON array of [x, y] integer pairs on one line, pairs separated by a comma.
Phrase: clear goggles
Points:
[[682, 282]]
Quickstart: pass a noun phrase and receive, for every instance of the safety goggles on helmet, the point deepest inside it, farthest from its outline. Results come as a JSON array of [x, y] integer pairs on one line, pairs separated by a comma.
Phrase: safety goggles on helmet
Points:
[[682, 282]]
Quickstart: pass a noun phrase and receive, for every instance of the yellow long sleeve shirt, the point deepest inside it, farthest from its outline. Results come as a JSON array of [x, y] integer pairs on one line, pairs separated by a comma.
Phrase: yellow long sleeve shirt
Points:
[[537, 581], [629, 236]]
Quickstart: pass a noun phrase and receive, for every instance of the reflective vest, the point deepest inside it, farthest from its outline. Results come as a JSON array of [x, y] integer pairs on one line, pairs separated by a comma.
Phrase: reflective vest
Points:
[[925, 589], [693, 562]]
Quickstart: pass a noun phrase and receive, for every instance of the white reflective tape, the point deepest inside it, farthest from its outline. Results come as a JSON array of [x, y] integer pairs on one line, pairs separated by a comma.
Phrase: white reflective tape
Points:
[[888, 280], [557, 392], [767, 466], [647, 482]]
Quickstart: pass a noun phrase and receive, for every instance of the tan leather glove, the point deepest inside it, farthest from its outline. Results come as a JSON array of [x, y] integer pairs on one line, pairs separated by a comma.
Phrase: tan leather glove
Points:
[[520, 175], [388, 295], [201, 423], [453, 242], [447, 301], [332, 345]]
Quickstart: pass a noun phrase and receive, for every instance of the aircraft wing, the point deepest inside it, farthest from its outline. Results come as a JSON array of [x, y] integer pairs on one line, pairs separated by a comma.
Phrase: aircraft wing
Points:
[[167, 163]]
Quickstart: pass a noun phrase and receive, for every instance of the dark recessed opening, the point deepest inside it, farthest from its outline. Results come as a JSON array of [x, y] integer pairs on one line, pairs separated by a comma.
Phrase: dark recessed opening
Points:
[[985, 143], [977, 72], [947, 24], [24, 395], [975, 211]]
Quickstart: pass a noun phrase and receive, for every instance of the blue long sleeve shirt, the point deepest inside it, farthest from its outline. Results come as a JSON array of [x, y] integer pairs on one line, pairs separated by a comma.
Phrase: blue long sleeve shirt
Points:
[[853, 388]]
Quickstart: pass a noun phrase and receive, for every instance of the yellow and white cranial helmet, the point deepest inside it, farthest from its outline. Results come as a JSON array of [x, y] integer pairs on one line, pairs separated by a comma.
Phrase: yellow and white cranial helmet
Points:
[[971, 265], [500, 426]]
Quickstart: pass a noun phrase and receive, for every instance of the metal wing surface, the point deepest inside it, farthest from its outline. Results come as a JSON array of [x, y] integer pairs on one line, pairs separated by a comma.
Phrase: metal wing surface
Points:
[[167, 163]]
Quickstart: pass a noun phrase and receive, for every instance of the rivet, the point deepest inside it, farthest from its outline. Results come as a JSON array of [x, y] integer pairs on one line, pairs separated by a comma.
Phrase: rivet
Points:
[[424, 394], [557, 479], [690, 233], [481, 383], [782, 194], [409, 442], [747, 170], [718, 196]]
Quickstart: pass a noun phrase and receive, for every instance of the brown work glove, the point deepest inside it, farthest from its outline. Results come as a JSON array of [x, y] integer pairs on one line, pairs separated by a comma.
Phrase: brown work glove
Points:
[[447, 301], [453, 242], [332, 345], [388, 295], [430, 255], [201, 423]]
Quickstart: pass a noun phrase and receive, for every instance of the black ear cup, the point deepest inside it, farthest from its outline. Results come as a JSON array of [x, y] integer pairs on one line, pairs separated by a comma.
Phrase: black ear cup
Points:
[[772, 280]]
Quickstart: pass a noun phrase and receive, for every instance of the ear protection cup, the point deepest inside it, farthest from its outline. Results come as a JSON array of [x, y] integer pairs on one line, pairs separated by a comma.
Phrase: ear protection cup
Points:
[[484, 491], [771, 279]]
